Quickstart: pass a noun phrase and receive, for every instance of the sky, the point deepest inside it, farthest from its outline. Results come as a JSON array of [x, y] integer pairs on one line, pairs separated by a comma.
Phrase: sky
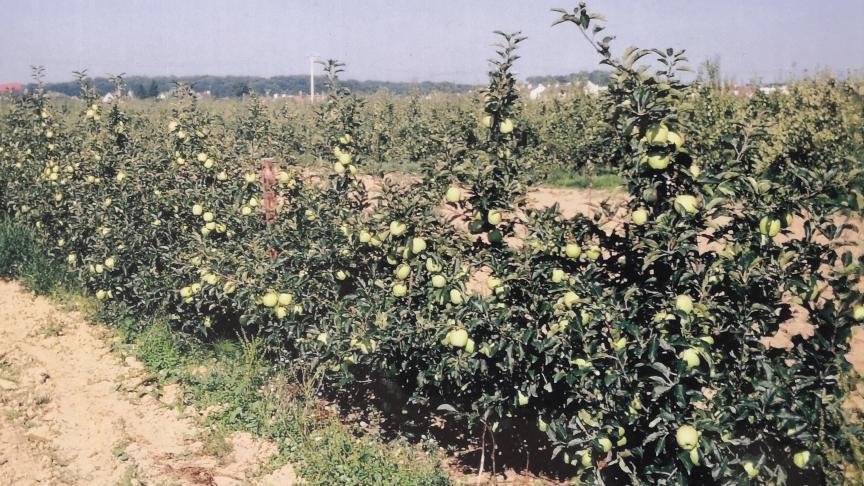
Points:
[[415, 40]]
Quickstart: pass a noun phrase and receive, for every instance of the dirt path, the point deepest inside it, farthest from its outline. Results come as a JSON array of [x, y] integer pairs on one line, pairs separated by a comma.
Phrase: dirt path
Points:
[[72, 412]]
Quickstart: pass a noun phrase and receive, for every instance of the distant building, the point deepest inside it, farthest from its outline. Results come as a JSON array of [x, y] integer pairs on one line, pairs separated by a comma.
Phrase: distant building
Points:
[[592, 89], [11, 88], [747, 91], [782, 89], [536, 92]]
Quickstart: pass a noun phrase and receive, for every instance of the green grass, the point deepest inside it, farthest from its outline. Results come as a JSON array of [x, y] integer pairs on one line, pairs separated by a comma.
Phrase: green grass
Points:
[[22, 256], [570, 179]]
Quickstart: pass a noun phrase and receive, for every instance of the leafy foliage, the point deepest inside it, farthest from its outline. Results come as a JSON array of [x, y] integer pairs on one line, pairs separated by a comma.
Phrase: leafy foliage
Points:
[[636, 347]]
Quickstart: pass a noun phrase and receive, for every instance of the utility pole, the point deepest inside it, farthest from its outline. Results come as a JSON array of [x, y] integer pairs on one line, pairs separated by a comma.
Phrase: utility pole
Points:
[[311, 80]]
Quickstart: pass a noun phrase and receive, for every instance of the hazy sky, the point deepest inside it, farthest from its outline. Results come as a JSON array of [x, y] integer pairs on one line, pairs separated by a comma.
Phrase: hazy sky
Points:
[[440, 40]]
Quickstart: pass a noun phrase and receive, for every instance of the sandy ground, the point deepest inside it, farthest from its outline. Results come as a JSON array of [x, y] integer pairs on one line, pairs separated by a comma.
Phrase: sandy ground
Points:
[[73, 412]]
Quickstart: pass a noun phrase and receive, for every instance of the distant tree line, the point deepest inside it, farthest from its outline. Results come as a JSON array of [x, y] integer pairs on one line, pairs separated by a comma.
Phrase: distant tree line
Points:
[[234, 86]]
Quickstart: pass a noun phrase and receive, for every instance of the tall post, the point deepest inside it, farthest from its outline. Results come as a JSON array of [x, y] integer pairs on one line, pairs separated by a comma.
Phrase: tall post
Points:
[[311, 80]]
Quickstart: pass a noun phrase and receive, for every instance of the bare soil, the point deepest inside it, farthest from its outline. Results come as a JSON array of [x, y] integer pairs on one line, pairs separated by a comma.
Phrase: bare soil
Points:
[[74, 412]]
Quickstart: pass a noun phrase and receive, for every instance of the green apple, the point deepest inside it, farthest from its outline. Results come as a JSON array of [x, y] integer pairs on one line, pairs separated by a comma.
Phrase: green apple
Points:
[[686, 204], [323, 338], [581, 363], [751, 470], [769, 226], [558, 275], [195, 287], [684, 303], [453, 195], [687, 437], [281, 312], [695, 170], [101, 294], [197, 210], [399, 289], [495, 236], [787, 220], [521, 399], [456, 297], [345, 158], [71, 259], [338, 168], [365, 236], [341, 275], [229, 287], [691, 357], [694, 456], [709, 340], [438, 281], [506, 126], [110, 262], [418, 245], [432, 266], [345, 139], [185, 292], [493, 283], [541, 425], [619, 344], [493, 217], [285, 299], [211, 279], [639, 216], [211, 225], [201, 157], [270, 299], [572, 250], [397, 228], [487, 121], [658, 162], [605, 443], [99, 268], [458, 338], [676, 139], [858, 312], [586, 460], [801, 459], [245, 210], [469, 346], [208, 217], [403, 271], [657, 134], [593, 253], [570, 298]]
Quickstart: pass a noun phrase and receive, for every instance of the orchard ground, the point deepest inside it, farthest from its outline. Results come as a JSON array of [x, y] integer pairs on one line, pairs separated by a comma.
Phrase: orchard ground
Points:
[[79, 408]]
